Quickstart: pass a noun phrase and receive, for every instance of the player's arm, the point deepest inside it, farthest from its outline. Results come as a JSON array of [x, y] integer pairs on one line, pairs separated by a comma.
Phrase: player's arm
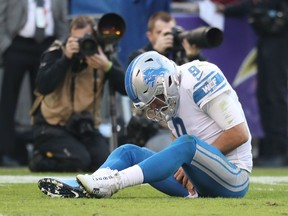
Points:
[[228, 114], [232, 138]]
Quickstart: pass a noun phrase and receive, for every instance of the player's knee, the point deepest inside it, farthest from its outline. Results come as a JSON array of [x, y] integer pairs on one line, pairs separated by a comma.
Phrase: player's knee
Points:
[[187, 141], [130, 152], [185, 146], [128, 147]]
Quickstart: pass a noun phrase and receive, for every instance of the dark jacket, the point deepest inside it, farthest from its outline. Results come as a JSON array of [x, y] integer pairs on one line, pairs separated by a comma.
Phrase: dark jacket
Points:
[[268, 17], [13, 15], [66, 86]]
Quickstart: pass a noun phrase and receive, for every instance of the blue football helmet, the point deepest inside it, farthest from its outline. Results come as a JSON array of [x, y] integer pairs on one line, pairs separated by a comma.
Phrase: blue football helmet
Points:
[[151, 76]]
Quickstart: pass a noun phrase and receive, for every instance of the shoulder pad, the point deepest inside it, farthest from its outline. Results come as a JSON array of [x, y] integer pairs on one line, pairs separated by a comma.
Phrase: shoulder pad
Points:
[[57, 44]]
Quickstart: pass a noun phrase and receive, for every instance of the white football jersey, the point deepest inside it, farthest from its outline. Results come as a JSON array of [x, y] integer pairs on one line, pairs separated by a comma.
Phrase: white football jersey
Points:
[[200, 83]]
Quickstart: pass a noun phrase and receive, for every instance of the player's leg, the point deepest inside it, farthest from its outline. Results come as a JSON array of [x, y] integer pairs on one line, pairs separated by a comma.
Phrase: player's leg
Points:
[[128, 155], [163, 164], [213, 175], [125, 156], [121, 158], [155, 168], [208, 169], [167, 161]]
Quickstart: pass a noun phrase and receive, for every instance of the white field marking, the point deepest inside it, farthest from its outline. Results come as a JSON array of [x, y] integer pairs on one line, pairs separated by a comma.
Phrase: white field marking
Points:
[[271, 180], [4, 179]]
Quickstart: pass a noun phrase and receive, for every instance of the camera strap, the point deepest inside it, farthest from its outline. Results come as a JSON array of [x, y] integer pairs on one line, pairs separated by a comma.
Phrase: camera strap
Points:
[[72, 90]]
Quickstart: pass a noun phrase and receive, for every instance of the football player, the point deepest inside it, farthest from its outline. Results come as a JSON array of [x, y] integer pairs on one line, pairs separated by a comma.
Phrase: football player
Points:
[[211, 153]]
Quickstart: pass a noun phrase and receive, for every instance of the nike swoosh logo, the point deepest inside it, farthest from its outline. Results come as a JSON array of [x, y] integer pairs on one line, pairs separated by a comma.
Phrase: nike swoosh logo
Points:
[[76, 194], [199, 78]]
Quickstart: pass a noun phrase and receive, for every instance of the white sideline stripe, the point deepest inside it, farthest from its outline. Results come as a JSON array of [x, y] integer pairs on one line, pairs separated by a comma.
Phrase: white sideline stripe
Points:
[[5, 179], [269, 179]]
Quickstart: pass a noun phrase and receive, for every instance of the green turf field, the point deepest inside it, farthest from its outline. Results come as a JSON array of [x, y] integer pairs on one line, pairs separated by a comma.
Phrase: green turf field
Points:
[[268, 195]]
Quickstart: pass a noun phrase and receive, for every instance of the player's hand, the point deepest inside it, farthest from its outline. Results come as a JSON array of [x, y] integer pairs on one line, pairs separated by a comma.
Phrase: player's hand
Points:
[[164, 41], [98, 60], [71, 47], [181, 177]]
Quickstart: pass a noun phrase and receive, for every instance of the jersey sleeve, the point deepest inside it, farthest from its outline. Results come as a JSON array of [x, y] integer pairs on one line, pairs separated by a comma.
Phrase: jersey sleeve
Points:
[[210, 82], [225, 110]]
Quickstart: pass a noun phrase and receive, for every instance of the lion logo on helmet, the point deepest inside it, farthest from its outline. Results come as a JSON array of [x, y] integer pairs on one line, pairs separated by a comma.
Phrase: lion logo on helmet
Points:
[[150, 75]]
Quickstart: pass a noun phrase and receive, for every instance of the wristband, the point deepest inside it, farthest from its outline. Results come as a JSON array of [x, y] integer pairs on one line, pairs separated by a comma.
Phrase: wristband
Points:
[[108, 67]]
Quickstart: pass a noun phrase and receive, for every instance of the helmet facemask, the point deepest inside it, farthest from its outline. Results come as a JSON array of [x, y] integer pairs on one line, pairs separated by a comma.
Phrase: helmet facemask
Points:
[[163, 113], [167, 104]]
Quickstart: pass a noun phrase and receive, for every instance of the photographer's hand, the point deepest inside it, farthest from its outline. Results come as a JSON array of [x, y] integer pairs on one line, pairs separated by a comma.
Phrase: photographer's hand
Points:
[[220, 8], [99, 61], [71, 47], [164, 41], [190, 50]]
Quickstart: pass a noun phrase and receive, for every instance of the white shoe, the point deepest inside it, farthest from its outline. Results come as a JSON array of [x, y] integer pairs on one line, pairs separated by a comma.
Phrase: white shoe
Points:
[[103, 171], [102, 184]]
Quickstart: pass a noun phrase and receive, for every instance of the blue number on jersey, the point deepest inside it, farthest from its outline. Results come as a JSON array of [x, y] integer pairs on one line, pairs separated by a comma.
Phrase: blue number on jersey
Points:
[[195, 72], [179, 124]]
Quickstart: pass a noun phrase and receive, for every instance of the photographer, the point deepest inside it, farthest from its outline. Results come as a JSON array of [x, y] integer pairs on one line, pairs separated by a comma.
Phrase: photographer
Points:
[[66, 113], [161, 34]]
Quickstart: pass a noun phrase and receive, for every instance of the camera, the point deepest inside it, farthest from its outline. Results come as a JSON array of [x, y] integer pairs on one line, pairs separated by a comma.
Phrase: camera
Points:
[[107, 34], [203, 37], [268, 22], [81, 124], [88, 45]]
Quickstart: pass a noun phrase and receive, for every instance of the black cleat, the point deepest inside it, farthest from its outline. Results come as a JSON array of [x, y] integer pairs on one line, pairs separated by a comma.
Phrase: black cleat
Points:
[[63, 188]]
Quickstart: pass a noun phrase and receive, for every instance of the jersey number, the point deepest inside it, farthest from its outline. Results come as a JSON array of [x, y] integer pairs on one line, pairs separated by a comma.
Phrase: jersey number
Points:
[[179, 126], [195, 72]]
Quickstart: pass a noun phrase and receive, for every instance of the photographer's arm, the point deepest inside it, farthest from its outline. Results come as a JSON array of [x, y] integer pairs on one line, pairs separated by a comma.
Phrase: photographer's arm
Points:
[[54, 65], [52, 71], [112, 68], [116, 76]]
